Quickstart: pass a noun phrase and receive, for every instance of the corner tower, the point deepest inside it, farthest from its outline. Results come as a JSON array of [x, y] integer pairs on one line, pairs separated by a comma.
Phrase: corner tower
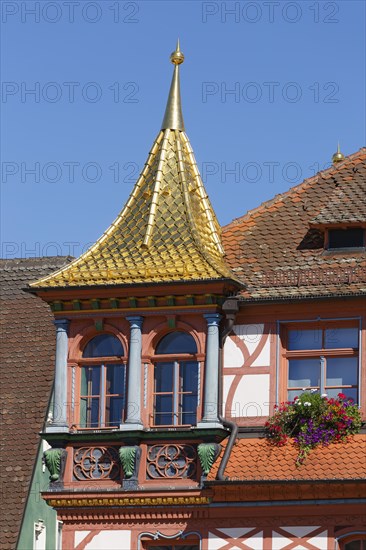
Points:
[[137, 384]]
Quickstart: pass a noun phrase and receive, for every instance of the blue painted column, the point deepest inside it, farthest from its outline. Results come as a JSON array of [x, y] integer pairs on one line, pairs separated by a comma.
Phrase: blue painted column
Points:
[[59, 421], [133, 411], [211, 377]]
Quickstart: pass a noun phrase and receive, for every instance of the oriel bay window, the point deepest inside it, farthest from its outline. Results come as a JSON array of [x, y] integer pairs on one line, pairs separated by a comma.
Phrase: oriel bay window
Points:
[[176, 375], [102, 383], [322, 357]]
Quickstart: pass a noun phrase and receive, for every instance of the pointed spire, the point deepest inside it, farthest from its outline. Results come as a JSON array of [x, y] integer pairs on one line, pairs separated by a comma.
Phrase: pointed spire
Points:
[[177, 237], [338, 156], [173, 117]]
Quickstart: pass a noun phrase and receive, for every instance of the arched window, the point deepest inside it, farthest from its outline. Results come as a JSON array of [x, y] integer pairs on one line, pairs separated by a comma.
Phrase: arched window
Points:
[[103, 345], [176, 380], [102, 382], [355, 540]]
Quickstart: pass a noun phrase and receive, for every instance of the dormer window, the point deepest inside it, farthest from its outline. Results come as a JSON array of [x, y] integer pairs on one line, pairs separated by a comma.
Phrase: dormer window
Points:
[[351, 237], [102, 383]]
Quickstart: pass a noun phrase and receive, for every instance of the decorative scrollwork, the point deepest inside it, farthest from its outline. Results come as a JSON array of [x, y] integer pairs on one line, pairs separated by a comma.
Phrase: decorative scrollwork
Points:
[[96, 463], [171, 461]]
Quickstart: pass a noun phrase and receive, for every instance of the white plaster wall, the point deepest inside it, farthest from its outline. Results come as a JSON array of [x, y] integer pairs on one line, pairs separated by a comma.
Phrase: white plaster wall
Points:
[[113, 539], [251, 398], [264, 358], [254, 542], [320, 541], [228, 378], [79, 536], [233, 356], [250, 335]]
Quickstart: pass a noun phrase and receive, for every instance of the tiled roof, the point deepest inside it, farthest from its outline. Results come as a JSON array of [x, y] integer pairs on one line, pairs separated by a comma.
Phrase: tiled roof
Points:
[[347, 204], [257, 459], [27, 354], [277, 253]]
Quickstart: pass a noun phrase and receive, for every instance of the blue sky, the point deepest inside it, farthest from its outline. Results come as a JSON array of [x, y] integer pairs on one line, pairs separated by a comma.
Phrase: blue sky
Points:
[[268, 88]]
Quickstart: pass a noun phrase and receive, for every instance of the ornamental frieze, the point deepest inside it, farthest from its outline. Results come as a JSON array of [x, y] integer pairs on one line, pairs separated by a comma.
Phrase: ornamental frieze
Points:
[[136, 501]]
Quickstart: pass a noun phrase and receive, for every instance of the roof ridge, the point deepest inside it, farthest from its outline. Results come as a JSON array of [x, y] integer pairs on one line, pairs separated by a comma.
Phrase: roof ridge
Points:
[[361, 153]]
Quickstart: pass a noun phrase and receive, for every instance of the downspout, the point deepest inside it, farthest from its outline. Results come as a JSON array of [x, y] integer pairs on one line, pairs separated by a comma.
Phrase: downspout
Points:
[[230, 308]]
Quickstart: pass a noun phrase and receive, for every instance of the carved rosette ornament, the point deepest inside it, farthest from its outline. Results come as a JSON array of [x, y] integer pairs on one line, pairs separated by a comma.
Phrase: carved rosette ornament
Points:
[[208, 453], [171, 461], [96, 463], [55, 460]]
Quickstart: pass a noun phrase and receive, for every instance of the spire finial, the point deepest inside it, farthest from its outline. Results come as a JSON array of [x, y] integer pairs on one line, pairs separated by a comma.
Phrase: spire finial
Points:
[[173, 118], [338, 156], [177, 57]]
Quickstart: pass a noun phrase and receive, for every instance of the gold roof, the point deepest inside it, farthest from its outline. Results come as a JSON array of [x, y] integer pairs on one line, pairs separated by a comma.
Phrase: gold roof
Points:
[[167, 230]]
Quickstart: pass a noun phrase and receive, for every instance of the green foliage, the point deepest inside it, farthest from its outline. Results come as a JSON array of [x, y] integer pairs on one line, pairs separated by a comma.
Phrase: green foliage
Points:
[[52, 458], [312, 420], [127, 456], [207, 453]]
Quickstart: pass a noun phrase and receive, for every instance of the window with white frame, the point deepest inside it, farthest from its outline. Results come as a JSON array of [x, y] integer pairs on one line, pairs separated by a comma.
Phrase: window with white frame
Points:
[[59, 525], [39, 538]]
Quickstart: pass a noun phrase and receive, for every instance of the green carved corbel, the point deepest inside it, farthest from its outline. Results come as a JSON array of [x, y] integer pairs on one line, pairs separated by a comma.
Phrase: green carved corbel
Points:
[[55, 462], [130, 459], [208, 453]]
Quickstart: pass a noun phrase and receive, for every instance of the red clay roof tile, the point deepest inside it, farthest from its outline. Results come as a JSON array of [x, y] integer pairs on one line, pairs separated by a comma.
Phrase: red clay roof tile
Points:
[[257, 459]]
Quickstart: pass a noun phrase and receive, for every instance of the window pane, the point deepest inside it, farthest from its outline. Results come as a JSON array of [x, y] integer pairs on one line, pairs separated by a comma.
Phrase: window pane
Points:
[[341, 338], [304, 339], [353, 545], [304, 373], [349, 392], [89, 412], [164, 410], [346, 238], [113, 413], [342, 371], [84, 381], [90, 380], [189, 376], [115, 379], [189, 407], [176, 342], [293, 393], [164, 377], [189, 383], [103, 345]]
